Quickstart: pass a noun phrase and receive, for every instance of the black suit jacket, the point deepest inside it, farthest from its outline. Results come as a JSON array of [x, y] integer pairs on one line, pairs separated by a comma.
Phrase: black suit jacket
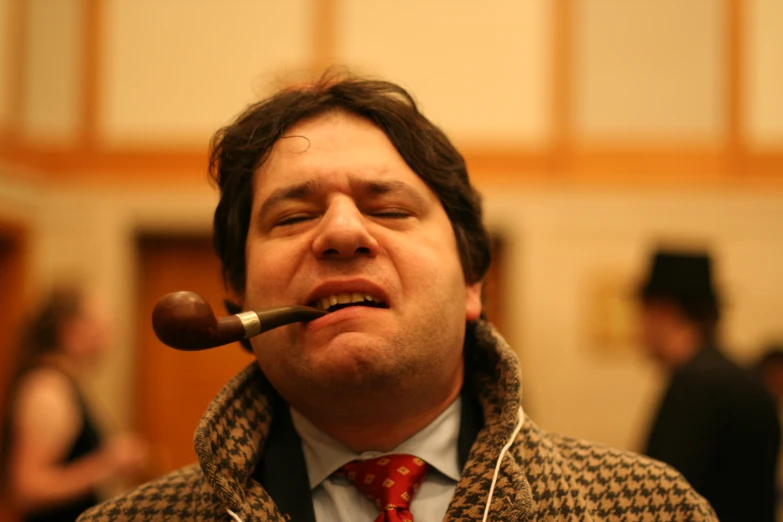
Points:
[[718, 427]]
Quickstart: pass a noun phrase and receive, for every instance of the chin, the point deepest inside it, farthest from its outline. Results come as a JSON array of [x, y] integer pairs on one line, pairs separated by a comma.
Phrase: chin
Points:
[[354, 359], [353, 349]]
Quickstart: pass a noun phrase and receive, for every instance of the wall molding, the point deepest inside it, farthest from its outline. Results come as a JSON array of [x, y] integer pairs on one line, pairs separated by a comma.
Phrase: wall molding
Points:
[[729, 161]]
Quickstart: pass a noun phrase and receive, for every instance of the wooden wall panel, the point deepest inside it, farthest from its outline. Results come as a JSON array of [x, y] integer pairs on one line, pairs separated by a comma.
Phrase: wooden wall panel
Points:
[[648, 70], [171, 75], [53, 70], [6, 60], [561, 91], [764, 72], [480, 72]]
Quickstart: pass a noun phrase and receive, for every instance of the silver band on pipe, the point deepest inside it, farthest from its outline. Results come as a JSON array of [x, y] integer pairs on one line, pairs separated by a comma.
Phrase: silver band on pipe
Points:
[[250, 322]]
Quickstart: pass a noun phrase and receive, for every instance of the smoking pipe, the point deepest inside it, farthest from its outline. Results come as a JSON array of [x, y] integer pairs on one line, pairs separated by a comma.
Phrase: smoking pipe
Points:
[[185, 321]]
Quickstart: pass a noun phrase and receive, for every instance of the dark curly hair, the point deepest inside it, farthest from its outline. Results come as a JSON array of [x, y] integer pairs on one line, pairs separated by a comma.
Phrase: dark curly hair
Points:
[[238, 150], [42, 333]]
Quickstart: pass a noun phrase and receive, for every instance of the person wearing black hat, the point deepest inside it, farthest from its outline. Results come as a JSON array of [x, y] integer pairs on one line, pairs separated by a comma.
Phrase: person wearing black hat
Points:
[[715, 424]]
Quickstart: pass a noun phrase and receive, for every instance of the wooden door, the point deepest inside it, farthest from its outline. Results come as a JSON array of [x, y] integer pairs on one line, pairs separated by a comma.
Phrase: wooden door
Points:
[[13, 274], [174, 388]]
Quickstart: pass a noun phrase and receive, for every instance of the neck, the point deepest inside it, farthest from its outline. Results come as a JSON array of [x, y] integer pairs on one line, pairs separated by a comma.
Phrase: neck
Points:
[[63, 363], [380, 427]]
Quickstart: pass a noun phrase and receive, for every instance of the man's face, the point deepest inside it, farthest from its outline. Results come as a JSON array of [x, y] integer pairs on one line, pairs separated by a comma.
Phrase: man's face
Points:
[[339, 217], [666, 334], [655, 323]]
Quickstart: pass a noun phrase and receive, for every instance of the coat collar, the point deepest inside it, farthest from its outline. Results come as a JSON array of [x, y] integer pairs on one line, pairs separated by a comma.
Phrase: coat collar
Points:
[[229, 435], [235, 428]]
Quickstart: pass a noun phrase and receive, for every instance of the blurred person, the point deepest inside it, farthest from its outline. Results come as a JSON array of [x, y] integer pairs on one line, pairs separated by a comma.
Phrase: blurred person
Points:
[[770, 368], [401, 403], [53, 457], [716, 424]]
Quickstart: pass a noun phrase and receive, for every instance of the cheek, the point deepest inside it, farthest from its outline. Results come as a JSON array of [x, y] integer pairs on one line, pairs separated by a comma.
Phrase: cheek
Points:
[[423, 269], [431, 267], [271, 267], [433, 252]]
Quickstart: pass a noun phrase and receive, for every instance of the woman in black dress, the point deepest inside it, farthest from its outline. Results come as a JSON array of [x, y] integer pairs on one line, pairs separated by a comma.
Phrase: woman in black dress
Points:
[[53, 458]]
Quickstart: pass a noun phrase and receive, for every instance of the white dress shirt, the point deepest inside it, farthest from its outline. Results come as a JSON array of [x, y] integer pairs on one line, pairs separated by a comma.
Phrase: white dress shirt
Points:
[[335, 498]]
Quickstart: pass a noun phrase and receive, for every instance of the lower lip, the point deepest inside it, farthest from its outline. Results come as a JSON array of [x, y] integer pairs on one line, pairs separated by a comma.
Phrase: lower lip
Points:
[[343, 314]]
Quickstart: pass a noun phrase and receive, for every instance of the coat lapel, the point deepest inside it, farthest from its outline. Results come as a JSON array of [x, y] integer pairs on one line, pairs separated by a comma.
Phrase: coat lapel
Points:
[[283, 471], [493, 384]]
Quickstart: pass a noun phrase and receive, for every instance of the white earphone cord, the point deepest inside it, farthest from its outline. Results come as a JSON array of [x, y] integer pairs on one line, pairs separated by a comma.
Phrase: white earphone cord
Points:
[[500, 460]]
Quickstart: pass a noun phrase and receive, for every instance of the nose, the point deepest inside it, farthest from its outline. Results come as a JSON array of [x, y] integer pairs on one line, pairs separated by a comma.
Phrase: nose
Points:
[[342, 232]]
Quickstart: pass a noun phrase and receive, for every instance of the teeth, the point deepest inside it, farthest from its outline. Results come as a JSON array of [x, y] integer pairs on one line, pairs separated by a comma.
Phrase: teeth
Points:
[[326, 302]]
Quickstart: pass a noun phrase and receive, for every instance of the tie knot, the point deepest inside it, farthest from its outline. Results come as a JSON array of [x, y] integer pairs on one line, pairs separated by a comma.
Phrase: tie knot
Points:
[[389, 481]]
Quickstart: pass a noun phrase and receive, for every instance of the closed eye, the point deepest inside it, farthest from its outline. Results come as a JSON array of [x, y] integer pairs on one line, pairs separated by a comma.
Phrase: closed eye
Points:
[[392, 214], [292, 220]]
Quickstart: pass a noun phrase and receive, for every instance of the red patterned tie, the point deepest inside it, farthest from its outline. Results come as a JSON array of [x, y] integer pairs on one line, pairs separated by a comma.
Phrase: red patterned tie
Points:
[[390, 482]]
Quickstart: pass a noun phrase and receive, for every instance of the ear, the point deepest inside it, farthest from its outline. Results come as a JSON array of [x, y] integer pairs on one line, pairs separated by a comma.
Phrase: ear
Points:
[[473, 301]]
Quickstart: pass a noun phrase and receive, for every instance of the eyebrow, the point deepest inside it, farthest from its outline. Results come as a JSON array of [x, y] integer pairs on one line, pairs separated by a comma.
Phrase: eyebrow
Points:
[[298, 192], [305, 190], [379, 188]]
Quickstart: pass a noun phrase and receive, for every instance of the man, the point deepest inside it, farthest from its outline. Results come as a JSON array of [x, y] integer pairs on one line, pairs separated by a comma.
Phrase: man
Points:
[[342, 195], [716, 425]]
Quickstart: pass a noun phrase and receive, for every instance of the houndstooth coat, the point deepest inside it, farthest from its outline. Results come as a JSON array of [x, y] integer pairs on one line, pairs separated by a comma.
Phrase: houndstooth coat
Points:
[[543, 476]]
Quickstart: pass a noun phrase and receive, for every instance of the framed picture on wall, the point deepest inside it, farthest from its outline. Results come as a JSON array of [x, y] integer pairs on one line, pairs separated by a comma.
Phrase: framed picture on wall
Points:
[[612, 313]]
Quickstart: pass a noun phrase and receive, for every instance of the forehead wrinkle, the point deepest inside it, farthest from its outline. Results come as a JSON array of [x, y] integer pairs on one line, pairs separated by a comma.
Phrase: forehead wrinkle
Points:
[[299, 191]]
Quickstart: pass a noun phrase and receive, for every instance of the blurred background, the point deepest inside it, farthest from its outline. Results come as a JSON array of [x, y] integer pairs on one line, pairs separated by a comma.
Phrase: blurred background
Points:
[[597, 130]]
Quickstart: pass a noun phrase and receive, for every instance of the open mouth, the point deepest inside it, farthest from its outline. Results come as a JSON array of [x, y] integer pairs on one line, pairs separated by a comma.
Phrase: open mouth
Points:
[[339, 301]]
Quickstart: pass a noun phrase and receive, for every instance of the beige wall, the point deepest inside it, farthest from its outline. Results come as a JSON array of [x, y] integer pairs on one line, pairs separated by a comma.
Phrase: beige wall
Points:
[[563, 241]]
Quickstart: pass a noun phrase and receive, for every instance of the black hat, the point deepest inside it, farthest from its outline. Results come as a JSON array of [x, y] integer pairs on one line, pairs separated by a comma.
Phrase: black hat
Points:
[[684, 278]]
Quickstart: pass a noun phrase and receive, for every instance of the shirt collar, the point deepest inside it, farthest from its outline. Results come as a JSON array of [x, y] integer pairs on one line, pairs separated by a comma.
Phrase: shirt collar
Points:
[[436, 444]]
